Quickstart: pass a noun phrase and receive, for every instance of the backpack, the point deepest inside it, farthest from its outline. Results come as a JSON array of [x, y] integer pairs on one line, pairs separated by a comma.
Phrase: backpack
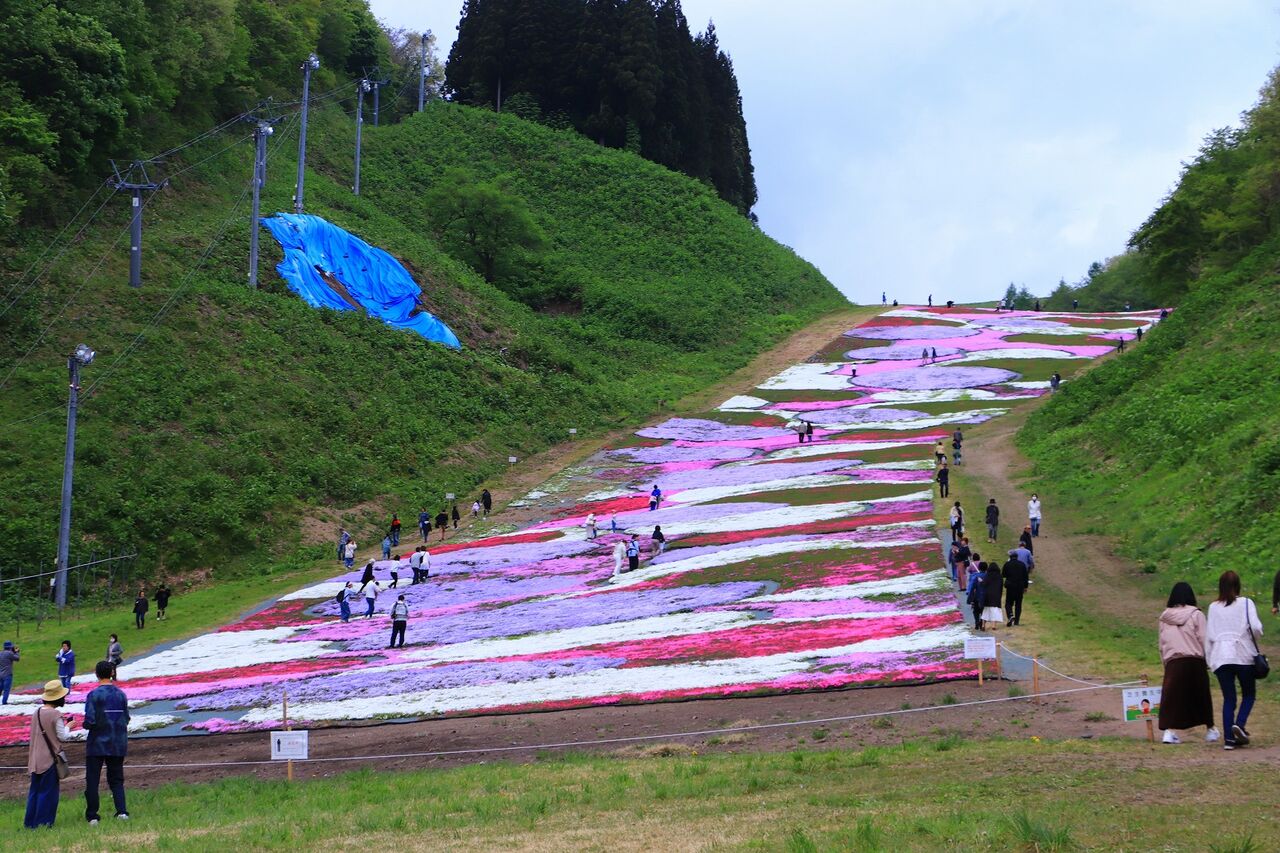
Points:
[[341, 596]]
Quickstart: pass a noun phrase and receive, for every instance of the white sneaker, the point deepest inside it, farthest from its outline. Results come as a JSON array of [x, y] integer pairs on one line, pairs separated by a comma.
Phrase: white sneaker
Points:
[[122, 816], [93, 822], [1170, 737], [1212, 736]]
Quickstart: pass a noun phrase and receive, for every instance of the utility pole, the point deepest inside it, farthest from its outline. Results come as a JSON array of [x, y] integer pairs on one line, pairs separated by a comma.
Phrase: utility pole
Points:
[[361, 87], [81, 356], [311, 63], [261, 134], [136, 188], [422, 68]]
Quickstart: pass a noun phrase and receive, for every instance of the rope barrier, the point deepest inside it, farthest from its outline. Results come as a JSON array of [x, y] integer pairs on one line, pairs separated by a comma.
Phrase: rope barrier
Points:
[[486, 750]]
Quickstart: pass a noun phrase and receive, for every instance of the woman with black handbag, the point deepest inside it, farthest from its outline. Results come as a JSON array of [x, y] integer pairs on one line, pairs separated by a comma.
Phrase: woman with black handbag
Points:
[[46, 762], [1231, 641]]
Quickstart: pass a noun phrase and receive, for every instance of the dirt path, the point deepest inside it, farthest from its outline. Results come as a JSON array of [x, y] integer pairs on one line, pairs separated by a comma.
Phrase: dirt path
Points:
[[1083, 566]]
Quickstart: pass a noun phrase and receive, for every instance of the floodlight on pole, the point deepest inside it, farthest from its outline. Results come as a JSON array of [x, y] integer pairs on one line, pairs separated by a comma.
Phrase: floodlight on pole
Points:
[[311, 63], [422, 69], [81, 356]]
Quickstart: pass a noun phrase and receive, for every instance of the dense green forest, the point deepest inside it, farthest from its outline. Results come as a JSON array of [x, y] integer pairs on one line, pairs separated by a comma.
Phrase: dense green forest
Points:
[[626, 73], [217, 420], [1175, 446]]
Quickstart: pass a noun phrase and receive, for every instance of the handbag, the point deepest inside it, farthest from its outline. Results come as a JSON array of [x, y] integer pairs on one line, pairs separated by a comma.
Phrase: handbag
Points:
[[60, 765], [1261, 669]]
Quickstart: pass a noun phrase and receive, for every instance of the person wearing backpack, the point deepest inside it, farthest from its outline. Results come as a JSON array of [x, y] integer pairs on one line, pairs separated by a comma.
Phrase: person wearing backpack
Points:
[[659, 538], [974, 595], [344, 602], [633, 553], [399, 621]]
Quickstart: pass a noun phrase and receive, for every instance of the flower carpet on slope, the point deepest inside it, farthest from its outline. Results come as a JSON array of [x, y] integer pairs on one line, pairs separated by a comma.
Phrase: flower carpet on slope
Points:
[[788, 566]]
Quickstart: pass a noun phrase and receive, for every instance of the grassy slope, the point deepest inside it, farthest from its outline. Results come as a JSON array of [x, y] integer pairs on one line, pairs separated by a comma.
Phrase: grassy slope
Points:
[[1174, 447], [929, 795], [243, 411]]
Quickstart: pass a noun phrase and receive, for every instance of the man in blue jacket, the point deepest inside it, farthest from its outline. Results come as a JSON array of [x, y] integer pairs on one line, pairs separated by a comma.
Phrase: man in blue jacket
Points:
[[106, 719]]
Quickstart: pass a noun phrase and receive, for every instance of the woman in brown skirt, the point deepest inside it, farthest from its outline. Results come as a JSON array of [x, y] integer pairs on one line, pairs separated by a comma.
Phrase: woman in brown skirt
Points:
[[1184, 700]]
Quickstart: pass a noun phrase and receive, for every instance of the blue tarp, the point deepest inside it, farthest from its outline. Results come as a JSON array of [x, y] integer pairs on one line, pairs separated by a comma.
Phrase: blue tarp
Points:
[[374, 279]]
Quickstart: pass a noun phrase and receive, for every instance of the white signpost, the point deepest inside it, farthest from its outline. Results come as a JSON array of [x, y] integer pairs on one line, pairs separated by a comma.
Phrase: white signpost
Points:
[[289, 746], [449, 496], [981, 649], [1142, 703], [512, 460]]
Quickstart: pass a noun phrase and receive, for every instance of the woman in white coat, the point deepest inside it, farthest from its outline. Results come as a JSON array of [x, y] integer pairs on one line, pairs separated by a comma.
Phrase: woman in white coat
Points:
[[1231, 643]]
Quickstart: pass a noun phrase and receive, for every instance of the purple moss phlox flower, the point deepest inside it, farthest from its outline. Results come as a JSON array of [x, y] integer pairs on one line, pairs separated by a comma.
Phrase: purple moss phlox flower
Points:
[[758, 473], [897, 352], [671, 453], [865, 414], [362, 685], [936, 378], [602, 608], [911, 333], [698, 429]]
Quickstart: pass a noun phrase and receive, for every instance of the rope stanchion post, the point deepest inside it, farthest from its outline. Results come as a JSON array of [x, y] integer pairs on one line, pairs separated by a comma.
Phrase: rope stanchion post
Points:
[[979, 672], [1035, 677], [1151, 728], [284, 715], [996, 672]]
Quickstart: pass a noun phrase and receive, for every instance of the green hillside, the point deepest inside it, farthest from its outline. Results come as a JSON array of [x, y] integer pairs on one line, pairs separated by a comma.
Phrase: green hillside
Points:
[[226, 417], [1176, 444]]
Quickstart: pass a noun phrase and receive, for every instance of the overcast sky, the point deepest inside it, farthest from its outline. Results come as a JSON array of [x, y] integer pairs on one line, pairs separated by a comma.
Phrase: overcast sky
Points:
[[948, 148]]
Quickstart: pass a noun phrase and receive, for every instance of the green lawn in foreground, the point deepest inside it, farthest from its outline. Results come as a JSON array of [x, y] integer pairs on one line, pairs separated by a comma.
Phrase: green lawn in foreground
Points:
[[945, 793]]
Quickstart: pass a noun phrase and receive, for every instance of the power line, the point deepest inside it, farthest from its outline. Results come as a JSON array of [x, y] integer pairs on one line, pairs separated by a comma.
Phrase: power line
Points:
[[185, 282], [56, 238]]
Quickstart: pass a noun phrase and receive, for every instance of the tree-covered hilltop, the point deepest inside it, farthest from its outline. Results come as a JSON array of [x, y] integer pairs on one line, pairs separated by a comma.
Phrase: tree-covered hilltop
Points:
[[1176, 444], [219, 424], [625, 73], [1225, 205]]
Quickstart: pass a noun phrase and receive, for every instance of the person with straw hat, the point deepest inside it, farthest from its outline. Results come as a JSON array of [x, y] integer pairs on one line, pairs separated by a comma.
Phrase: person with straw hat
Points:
[[47, 728]]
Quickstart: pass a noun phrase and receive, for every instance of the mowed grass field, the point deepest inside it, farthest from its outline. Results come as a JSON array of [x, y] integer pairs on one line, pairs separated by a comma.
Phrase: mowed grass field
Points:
[[933, 794]]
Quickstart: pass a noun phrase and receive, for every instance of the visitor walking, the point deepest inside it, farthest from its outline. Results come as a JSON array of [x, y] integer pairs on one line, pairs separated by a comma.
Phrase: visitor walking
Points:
[[475, 509], [933, 354], [655, 496], [371, 598], [140, 605], [944, 480], [613, 522], [993, 520], [442, 522], [425, 567], [1024, 539], [66, 659], [1185, 702], [883, 298], [455, 516], [424, 523], [963, 553], [924, 355], [1015, 584], [349, 556], [974, 594], [343, 538], [619, 553], [1231, 643], [162, 600], [395, 530], [344, 602], [939, 453], [366, 577], [47, 729], [1026, 557], [659, 539], [115, 652], [395, 573], [957, 438], [8, 655], [633, 553], [1275, 594], [808, 431], [1138, 332], [486, 500], [386, 547], [957, 521], [590, 524], [1055, 380], [1033, 513], [415, 565], [956, 458], [106, 720], [992, 588], [399, 621]]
